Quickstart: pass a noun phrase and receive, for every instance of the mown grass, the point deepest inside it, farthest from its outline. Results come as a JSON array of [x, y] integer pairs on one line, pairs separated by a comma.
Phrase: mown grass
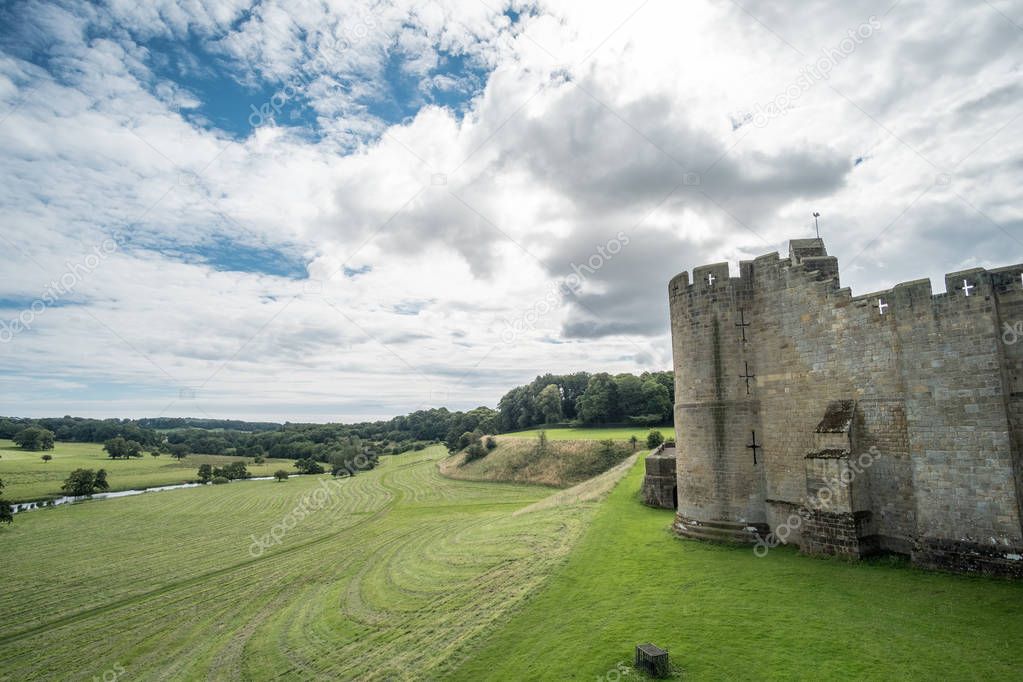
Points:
[[725, 614], [404, 574], [561, 463], [392, 579], [593, 433], [27, 477]]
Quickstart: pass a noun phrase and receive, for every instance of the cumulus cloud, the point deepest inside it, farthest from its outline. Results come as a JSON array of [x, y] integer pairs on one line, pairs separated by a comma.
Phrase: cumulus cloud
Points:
[[408, 224]]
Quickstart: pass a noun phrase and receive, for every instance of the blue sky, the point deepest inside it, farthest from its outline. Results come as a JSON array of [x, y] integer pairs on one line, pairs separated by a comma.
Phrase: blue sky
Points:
[[355, 209], [225, 95]]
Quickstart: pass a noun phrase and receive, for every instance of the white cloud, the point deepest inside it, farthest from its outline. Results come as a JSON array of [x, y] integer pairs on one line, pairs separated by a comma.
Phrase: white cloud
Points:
[[594, 119]]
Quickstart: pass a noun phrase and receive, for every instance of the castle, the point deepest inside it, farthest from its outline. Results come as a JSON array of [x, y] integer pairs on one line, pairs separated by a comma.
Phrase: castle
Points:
[[849, 425]]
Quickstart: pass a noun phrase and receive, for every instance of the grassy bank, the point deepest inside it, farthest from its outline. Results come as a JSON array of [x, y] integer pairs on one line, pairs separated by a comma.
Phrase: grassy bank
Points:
[[725, 614], [27, 477], [560, 463]]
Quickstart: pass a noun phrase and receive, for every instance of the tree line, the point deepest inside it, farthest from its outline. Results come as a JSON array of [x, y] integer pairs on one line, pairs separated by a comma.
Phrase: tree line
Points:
[[579, 398], [590, 399]]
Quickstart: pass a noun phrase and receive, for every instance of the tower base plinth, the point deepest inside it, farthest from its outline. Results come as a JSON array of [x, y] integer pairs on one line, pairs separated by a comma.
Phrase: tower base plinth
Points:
[[720, 531]]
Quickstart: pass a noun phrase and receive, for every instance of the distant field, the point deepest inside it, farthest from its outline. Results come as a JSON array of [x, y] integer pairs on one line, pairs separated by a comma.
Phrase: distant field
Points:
[[392, 577], [27, 477], [593, 433]]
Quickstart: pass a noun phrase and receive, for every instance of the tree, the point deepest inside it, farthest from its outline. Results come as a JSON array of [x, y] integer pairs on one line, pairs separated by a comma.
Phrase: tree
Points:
[[281, 475], [654, 438], [599, 403], [6, 510], [85, 482], [634, 442], [467, 439], [116, 447], [341, 463], [656, 400], [179, 451], [549, 403], [119, 447], [308, 466], [47, 458], [155, 453], [34, 438], [475, 451], [630, 395], [9, 428], [232, 471], [205, 473]]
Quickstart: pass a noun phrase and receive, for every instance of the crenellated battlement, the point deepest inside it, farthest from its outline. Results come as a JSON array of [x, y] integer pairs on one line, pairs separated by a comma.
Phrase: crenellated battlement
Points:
[[809, 261], [932, 385]]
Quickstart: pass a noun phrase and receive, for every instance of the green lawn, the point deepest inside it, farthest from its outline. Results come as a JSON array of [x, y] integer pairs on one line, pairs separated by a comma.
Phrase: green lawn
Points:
[[27, 477], [393, 578], [593, 433], [401, 574], [725, 614]]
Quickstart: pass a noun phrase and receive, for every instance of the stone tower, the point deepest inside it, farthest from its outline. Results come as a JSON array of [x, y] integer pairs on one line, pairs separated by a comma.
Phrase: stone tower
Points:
[[849, 425]]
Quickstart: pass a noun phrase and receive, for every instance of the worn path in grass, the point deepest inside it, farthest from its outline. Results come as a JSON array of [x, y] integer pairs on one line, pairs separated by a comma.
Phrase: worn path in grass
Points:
[[393, 578], [725, 614], [27, 477]]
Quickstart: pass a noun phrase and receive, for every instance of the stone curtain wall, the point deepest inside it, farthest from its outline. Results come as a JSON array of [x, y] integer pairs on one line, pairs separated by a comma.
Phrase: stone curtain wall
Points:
[[880, 429], [1006, 286], [938, 403], [963, 464]]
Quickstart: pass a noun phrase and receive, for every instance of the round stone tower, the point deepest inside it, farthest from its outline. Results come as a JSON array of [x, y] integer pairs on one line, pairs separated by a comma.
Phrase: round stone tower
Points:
[[720, 466]]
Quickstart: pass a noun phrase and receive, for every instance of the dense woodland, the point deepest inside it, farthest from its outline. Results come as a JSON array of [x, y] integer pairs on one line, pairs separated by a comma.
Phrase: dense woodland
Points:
[[579, 398], [590, 399]]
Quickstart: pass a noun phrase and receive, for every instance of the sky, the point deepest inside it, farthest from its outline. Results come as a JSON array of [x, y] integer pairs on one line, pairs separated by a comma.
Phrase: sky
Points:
[[322, 211]]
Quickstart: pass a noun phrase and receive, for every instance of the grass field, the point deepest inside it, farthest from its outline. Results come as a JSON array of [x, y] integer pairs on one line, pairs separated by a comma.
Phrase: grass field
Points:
[[593, 433], [27, 477], [391, 580], [725, 614], [404, 574]]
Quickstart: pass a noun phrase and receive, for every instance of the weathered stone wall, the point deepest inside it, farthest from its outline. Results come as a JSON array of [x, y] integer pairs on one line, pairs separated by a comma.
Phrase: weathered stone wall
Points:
[[938, 398], [880, 432], [659, 483], [1007, 287], [960, 446], [715, 417]]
